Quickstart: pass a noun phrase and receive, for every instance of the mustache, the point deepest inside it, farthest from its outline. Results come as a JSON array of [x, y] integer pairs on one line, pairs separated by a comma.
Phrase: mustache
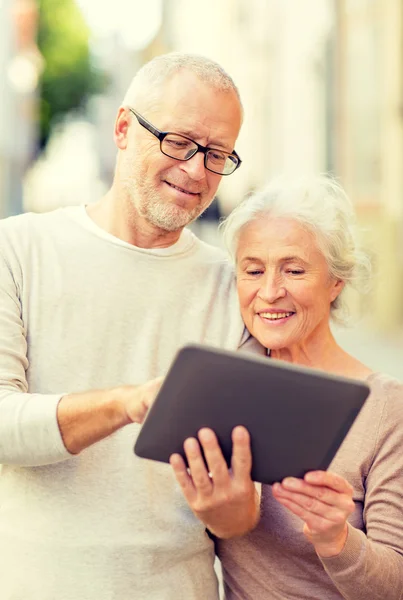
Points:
[[186, 184]]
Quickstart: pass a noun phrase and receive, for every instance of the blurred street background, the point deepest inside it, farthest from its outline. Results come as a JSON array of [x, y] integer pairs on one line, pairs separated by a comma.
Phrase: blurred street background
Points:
[[322, 87]]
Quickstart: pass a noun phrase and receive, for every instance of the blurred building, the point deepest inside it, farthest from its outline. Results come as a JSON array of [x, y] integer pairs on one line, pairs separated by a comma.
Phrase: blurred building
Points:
[[277, 54], [367, 136], [321, 83], [20, 66], [121, 47]]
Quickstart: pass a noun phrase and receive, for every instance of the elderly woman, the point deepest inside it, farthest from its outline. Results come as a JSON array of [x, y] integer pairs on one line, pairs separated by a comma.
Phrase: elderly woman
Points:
[[335, 534]]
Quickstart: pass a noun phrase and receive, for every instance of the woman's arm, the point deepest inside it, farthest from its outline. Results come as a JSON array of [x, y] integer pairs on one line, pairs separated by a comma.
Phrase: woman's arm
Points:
[[361, 565], [371, 565]]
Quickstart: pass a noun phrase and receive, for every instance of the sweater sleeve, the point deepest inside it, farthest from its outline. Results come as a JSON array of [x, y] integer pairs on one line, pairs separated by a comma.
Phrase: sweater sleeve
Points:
[[29, 431], [371, 564]]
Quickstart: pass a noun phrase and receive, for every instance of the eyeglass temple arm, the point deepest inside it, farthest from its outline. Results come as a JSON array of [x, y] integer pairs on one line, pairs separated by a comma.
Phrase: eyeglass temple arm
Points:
[[158, 134]]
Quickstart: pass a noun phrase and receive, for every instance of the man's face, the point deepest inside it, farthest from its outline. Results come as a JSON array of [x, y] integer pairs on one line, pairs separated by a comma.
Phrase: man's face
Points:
[[166, 192]]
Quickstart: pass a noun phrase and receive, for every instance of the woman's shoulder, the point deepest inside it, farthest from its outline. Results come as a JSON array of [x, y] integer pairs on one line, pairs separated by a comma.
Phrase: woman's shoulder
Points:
[[387, 395], [383, 385]]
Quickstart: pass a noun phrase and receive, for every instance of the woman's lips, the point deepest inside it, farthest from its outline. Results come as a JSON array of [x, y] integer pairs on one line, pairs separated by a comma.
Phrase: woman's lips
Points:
[[275, 318]]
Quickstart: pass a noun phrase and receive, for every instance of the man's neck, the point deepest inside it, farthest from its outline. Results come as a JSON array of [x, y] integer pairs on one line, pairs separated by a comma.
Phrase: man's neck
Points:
[[122, 221]]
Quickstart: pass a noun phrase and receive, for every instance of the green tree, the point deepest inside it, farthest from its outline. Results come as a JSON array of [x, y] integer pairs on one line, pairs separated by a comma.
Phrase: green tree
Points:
[[69, 77]]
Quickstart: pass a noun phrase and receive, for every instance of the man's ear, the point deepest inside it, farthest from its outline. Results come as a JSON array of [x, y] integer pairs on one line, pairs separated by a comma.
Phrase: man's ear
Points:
[[337, 287], [121, 128]]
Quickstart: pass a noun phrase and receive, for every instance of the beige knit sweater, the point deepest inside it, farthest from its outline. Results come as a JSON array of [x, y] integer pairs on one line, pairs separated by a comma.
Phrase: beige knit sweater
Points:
[[81, 309], [276, 561]]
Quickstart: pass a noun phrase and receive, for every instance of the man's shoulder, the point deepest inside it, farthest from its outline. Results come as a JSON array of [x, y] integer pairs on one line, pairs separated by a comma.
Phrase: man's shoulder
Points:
[[208, 248], [15, 222], [213, 255], [21, 233], [15, 231], [29, 221]]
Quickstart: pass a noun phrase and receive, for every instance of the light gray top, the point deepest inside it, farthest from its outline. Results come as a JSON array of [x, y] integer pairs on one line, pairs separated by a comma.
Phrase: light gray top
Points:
[[276, 561], [81, 310]]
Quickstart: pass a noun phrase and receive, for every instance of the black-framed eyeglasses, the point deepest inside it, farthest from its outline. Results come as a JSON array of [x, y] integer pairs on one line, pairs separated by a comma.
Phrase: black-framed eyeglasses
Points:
[[181, 147]]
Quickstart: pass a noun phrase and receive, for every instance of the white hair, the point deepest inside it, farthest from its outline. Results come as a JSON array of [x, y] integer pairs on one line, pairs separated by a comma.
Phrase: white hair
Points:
[[146, 86], [321, 206]]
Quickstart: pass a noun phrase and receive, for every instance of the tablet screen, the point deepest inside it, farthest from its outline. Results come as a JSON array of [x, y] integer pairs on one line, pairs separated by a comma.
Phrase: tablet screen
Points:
[[297, 417]]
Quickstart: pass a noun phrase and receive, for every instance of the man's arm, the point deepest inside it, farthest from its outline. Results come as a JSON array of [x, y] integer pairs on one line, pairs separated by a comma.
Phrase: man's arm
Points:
[[86, 418], [38, 429]]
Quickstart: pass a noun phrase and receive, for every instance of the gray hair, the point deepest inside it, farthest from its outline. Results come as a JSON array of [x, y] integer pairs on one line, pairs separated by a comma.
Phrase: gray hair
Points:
[[321, 206], [146, 86]]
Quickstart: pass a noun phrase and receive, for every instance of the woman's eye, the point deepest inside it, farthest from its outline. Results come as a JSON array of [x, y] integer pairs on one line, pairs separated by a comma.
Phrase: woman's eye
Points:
[[295, 272], [254, 272]]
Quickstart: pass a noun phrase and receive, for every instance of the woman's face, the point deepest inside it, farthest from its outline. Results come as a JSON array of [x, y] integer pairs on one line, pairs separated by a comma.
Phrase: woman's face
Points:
[[284, 286]]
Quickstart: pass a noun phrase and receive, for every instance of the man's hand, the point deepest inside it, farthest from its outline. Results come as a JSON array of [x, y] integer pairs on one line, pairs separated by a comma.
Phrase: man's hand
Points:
[[226, 501], [88, 417], [138, 399], [324, 501]]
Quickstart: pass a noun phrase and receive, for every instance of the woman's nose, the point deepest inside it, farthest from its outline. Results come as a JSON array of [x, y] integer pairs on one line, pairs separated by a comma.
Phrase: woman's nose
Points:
[[272, 288]]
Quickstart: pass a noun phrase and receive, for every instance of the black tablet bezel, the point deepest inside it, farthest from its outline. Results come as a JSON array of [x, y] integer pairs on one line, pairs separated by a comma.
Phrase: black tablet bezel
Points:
[[297, 417]]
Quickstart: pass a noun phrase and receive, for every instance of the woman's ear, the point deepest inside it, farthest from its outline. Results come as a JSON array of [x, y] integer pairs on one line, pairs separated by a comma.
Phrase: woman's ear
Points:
[[337, 287], [121, 128]]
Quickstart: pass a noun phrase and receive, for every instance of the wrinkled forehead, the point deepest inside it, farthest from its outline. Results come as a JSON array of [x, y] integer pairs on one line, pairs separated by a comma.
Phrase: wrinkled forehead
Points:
[[186, 104], [273, 238]]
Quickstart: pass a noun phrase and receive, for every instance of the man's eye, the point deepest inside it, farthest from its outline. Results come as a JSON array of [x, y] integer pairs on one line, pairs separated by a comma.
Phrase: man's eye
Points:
[[254, 272], [177, 143], [217, 157], [295, 272]]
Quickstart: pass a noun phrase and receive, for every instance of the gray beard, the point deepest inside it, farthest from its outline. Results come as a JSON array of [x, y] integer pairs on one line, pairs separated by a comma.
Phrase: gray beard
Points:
[[165, 216], [168, 217]]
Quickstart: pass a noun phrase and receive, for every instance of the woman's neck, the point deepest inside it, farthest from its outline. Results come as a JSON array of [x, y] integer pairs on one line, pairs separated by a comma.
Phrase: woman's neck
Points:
[[323, 353]]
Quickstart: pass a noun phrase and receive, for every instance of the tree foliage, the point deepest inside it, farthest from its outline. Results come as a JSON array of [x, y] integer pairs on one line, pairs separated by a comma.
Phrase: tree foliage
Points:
[[69, 77]]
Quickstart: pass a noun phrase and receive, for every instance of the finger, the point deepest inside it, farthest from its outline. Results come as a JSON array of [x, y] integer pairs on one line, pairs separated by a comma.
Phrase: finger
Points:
[[182, 477], [150, 390], [216, 462], [200, 476], [323, 494], [330, 480], [241, 461], [314, 522], [158, 381], [155, 385], [335, 513]]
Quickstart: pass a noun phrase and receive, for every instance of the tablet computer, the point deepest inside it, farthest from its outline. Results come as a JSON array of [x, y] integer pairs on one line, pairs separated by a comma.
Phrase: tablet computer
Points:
[[297, 417]]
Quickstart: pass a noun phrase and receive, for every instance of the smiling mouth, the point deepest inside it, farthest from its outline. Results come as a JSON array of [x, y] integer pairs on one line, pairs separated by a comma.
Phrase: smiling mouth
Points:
[[275, 316], [176, 187]]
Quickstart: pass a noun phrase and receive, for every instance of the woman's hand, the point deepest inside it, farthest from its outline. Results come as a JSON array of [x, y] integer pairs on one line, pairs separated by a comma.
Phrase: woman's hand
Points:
[[226, 501], [324, 501]]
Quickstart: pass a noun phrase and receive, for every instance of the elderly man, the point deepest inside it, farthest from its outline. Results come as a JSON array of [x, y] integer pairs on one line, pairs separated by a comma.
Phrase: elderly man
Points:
[[94, 303]]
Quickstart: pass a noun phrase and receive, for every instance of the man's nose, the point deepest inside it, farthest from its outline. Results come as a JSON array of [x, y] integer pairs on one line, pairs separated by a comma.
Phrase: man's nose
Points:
[[194, 167]]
